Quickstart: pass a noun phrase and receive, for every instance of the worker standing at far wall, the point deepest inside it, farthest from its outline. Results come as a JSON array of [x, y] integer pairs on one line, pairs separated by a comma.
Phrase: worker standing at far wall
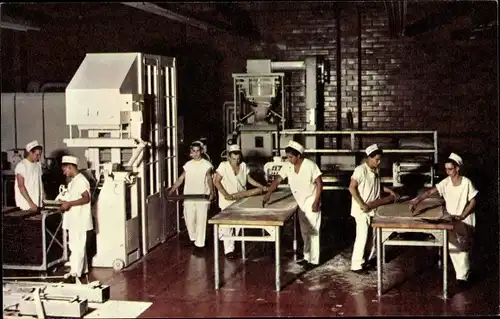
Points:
[[306, 184], [197, 179], [28, 186], [77, 217]]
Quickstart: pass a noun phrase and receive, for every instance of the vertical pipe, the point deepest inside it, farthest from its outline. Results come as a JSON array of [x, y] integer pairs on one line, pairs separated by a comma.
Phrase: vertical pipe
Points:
[[360, 82], [175, 146], [338, 54], [43, 129], [151, 133], [15, 121], [168, 144], [158, 125]]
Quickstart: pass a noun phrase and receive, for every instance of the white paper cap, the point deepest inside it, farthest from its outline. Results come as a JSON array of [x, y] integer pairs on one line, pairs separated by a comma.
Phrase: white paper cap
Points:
[[31, 145], [296, 146], [456, 158], [233, 148], [370, 149], [67, 159]]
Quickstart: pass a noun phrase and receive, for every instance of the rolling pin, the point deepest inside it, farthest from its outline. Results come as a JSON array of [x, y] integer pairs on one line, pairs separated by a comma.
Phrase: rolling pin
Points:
[[382, 201], [247, 193]]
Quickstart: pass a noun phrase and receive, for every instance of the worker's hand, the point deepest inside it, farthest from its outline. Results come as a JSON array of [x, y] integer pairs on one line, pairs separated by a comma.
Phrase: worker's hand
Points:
[[315, 206], [266, 198], [457, 218], [413, 206], [229, 197], [365, 208], [264, 189], [65, 206], [33, 207]]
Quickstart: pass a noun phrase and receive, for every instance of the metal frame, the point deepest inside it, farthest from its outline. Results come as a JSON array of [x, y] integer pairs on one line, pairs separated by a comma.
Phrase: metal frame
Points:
[[441, 240], [46, 234], [354, 150], [273, 236]]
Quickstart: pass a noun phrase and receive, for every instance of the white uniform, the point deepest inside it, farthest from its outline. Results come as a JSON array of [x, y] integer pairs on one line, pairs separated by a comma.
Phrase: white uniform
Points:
[[303, 188], [460, 239], [369, 190], [32, 173], [78, 220], [232, 183], [195, 211]]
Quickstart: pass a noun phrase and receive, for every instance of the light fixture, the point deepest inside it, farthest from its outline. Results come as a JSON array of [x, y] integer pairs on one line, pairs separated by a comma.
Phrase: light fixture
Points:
[[16, 26]]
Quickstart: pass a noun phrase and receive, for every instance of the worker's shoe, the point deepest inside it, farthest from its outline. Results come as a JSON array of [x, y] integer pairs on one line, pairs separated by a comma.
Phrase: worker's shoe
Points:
[[303, 262], [310, 266], [231, 255], [360, 271], [463, 284], [198, 251], [369, 265]]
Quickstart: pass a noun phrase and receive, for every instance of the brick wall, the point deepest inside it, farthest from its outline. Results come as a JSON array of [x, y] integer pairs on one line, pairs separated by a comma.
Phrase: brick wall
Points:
[[425, 82]]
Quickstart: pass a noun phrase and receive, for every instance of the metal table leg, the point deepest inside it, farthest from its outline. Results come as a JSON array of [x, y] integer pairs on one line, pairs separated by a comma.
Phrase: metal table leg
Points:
[[242, 243], [278, 262], [216, 255], [294, 236], [445, 263], [379, 261]]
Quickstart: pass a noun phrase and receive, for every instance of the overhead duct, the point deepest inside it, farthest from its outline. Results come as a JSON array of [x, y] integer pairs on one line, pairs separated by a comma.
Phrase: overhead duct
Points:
[[153, 8]]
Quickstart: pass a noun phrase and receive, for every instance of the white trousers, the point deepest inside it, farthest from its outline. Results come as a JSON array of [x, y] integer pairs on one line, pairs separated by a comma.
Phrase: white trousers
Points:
[[77, 241], [228, 243], [459, 244], [363, 240], [195, 215], [310, 223]]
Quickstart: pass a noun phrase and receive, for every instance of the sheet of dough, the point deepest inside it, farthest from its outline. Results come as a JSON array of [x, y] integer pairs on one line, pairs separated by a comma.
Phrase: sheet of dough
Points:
[[430, 208], [281, 200]]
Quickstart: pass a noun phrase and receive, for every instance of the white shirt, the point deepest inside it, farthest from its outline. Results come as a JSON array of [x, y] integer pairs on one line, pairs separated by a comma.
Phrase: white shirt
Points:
[[195, 179], [457, 197], [32, 173], [78, 218], [302, 184], [368, 188], [232, 182]]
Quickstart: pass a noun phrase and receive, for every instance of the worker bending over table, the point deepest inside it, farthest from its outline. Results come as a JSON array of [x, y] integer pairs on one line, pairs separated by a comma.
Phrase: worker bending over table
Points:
[[231, 177], [460, 199], [306, 184], [365, 190], [28, 186], [197, 180], [77, 217]]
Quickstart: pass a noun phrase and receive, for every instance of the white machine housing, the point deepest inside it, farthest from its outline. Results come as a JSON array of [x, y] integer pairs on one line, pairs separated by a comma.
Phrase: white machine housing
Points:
[[124, 109]]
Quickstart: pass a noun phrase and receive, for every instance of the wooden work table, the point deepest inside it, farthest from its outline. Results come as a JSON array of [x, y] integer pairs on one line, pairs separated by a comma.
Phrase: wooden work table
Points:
[[429, 217], [250, 213]]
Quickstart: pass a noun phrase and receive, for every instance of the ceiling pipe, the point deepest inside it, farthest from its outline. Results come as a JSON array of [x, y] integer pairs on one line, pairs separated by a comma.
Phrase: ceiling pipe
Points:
[[153, 8]]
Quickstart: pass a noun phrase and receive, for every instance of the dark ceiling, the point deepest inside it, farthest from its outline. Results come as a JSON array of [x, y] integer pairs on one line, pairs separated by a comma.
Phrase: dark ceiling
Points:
[[477, 18]]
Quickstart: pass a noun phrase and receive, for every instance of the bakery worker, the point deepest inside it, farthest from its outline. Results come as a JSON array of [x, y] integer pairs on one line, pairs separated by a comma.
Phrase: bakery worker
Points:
[[28, 186], [365, 189], [77, 216], [460, 199], [306, 184], [197, 180], [231, 177]]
